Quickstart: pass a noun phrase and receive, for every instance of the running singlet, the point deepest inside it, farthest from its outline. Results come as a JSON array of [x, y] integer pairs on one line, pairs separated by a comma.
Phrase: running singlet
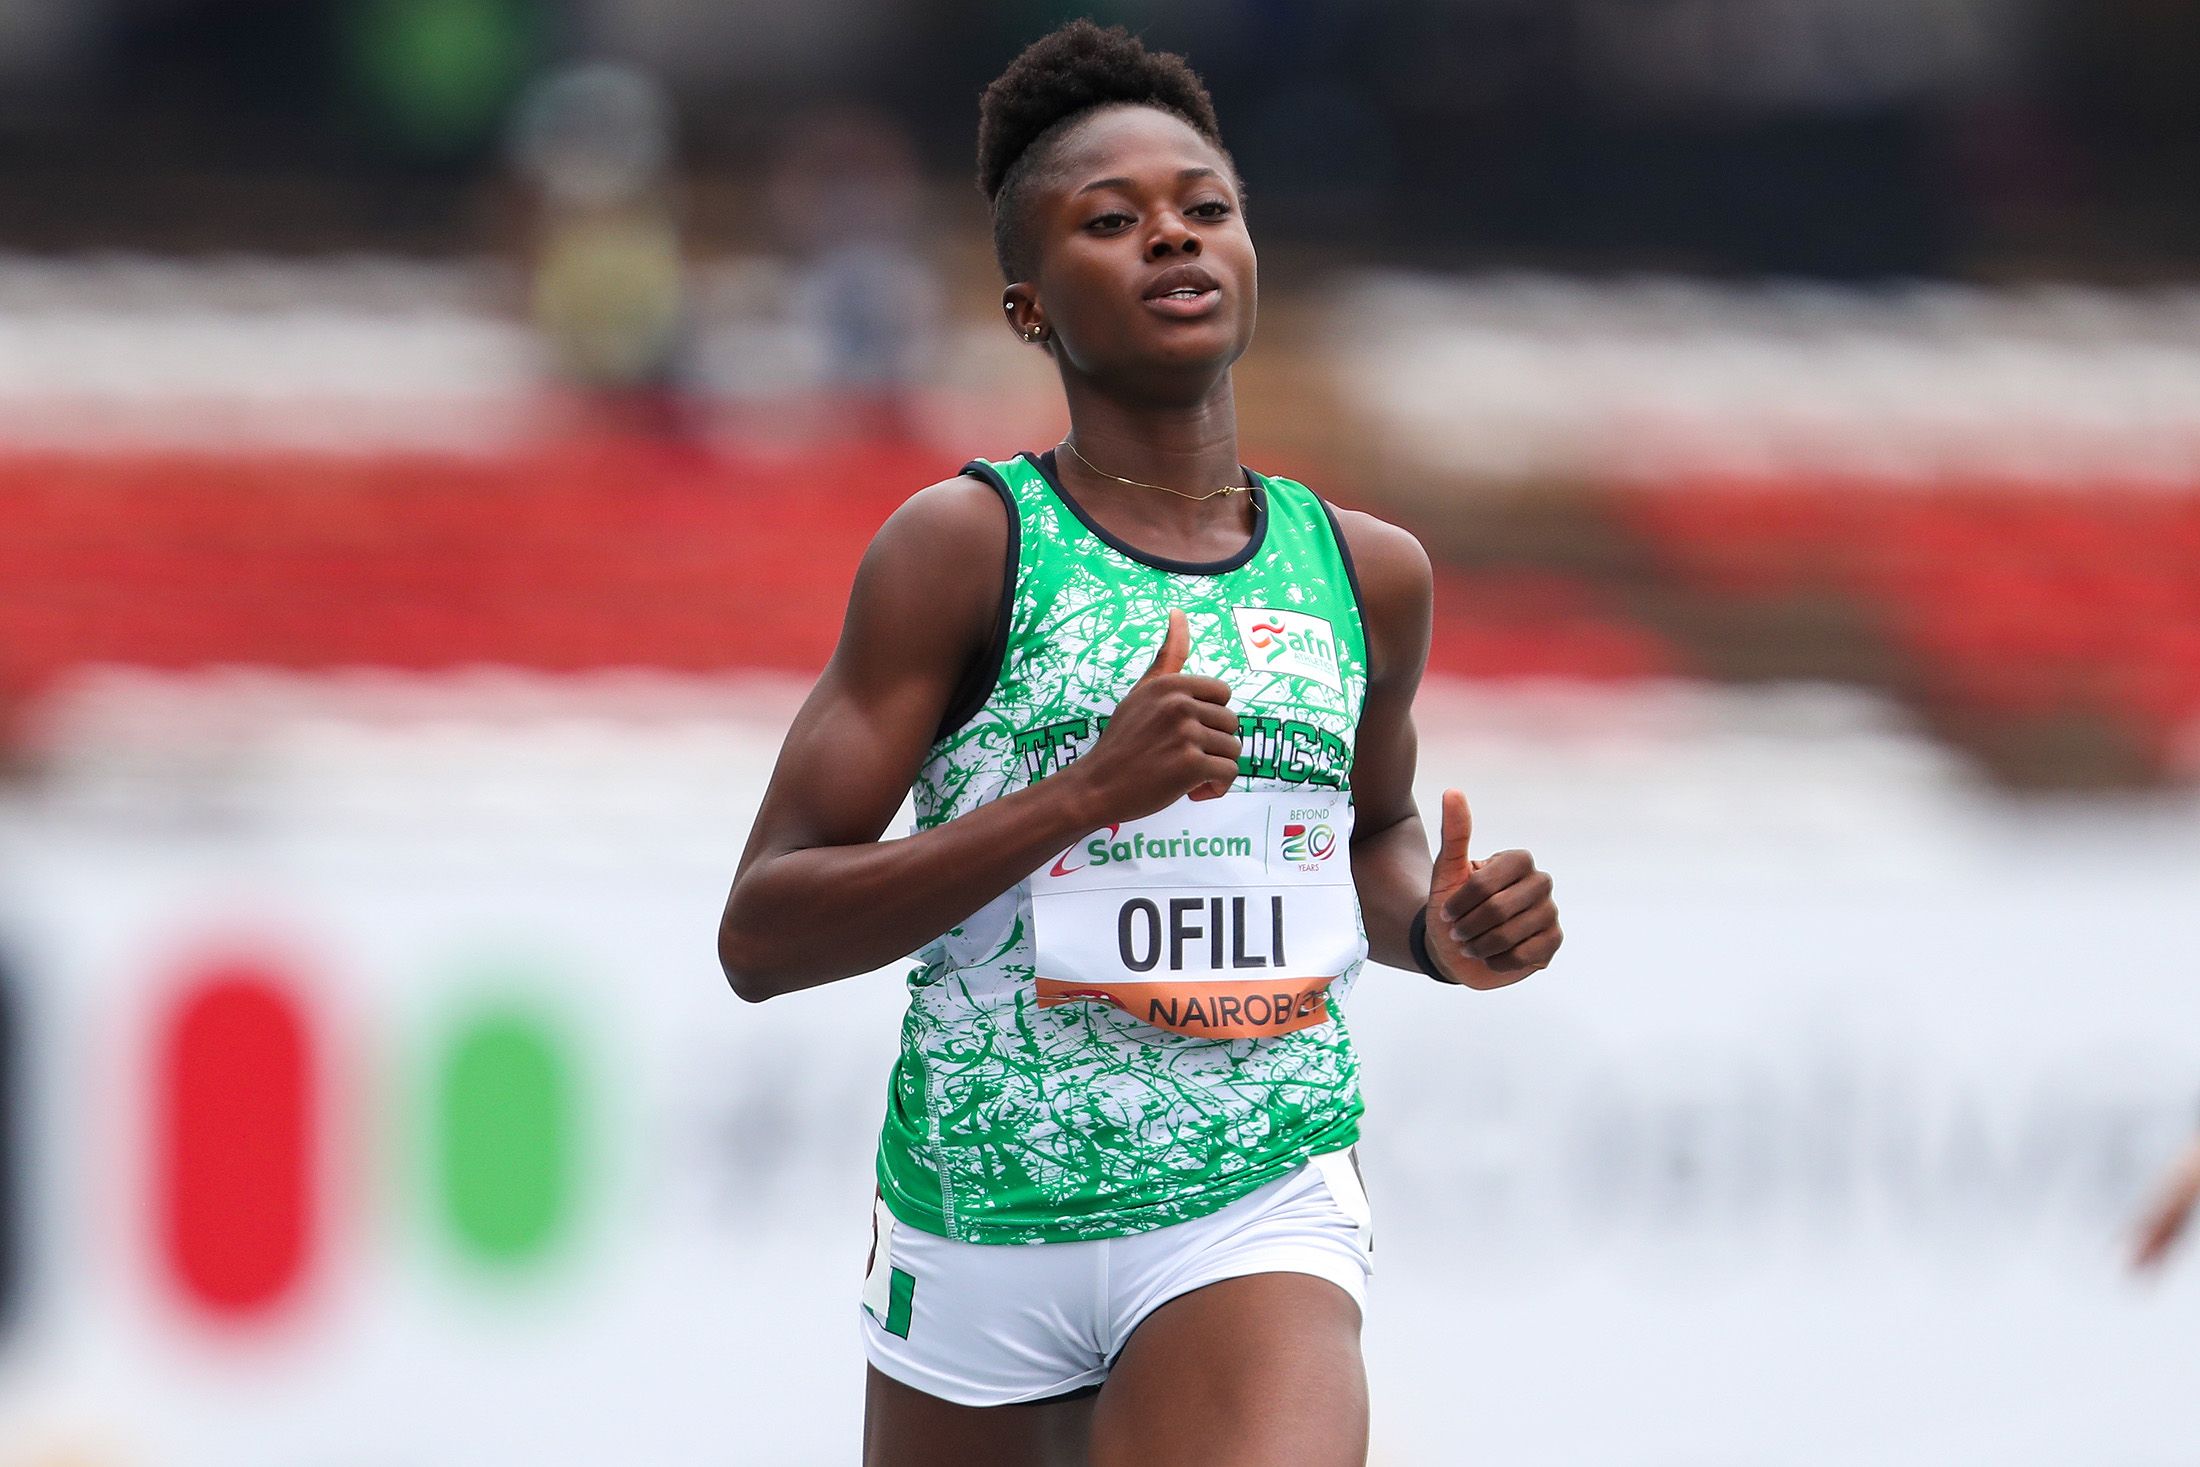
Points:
[[1146, 1027]]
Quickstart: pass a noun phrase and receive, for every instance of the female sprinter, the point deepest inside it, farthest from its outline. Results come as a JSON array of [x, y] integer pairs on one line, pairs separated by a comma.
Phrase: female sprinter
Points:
[[1156, 710]]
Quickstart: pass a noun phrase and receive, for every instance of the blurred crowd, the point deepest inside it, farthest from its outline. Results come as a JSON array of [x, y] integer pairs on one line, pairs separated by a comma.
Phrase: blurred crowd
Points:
[[1736, 341], [1847, 138]]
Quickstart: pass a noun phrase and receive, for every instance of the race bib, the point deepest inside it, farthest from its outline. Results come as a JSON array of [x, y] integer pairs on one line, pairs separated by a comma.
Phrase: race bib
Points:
[[1226, 919]]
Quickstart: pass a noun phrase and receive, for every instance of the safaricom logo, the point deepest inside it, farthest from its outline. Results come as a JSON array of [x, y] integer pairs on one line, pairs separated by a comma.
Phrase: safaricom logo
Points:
[[1289, 642], [1109, 848]]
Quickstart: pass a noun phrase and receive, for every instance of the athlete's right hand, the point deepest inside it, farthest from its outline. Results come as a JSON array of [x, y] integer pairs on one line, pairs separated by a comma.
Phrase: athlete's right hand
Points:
[[1172, 735]]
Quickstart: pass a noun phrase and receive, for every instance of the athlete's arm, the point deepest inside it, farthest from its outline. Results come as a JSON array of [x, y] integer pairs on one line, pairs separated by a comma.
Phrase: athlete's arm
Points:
[[2170, 1210], [818, 896], [1490, 922]]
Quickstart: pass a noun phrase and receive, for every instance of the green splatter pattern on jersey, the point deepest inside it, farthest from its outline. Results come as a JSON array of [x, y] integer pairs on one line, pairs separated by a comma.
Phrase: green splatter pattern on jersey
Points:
[[1009, 1123]]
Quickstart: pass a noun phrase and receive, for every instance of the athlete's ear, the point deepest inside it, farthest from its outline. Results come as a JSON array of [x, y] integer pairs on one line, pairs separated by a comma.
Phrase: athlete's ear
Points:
[[1021, 305]]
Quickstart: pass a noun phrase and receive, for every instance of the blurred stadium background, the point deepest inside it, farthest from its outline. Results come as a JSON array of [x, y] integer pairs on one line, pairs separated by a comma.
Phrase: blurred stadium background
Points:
[[435, 439]]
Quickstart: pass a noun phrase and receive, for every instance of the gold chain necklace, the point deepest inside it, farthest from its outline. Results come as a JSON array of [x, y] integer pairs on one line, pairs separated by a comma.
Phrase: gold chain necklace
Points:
[[1142, 484]]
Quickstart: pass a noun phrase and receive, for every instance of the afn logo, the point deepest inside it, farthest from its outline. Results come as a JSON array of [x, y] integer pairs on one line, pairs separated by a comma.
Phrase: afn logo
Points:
[[1289, 642]]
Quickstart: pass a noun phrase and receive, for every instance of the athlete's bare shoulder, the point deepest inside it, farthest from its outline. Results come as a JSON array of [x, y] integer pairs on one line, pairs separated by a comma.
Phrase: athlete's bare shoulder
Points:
[[953, 533], [965, 510], [928, 591], [1397, 591]]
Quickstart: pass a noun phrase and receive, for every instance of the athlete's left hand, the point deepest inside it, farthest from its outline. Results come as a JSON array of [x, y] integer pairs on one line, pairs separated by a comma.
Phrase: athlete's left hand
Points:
[[1490, 922]]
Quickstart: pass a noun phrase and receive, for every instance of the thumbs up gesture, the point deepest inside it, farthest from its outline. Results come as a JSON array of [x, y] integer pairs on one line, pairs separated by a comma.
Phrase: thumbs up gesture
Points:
[[1172, 735], [1490, 922]]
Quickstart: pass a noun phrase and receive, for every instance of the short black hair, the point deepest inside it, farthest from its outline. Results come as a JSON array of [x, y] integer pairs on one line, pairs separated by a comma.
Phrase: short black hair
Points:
[[1058, 79]]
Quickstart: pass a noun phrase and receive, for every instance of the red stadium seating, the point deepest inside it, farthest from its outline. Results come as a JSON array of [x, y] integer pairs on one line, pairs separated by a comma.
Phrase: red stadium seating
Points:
[[2010, 600], [595, 555]]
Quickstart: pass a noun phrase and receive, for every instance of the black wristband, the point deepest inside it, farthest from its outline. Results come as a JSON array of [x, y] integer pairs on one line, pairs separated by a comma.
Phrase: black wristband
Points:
[[1417, 939]]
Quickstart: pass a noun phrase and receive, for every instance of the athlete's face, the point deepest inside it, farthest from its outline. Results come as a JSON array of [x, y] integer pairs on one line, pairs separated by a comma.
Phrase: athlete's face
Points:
[[1143, 258]]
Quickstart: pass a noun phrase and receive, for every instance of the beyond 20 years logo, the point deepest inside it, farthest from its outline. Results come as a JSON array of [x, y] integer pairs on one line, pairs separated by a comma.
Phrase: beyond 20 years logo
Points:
[[1308, 843], [1289, 642]]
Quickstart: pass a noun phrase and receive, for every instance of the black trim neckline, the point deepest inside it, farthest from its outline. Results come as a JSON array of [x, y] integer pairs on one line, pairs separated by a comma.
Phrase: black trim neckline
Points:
[[1044, 463]]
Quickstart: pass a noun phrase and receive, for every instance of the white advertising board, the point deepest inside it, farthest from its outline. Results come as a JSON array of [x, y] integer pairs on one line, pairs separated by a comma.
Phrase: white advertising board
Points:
[[1819, 1144]]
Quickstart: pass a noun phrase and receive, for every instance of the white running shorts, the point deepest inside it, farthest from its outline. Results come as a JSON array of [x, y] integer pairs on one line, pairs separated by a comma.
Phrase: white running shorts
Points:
[[989, 1324]]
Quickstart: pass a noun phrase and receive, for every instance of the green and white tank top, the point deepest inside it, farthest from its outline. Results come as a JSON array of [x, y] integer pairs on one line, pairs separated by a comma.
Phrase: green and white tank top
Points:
[[1148, 1026]]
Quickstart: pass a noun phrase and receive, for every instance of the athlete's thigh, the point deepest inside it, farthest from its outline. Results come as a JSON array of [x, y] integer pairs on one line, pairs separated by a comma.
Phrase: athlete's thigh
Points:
[[904, 1427], [1259, 1371]]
